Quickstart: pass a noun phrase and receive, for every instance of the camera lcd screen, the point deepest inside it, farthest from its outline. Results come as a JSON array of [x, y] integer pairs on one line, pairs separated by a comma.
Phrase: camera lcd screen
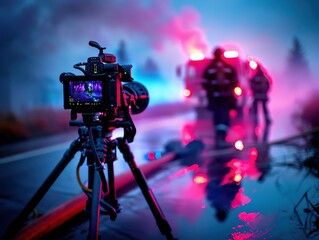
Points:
[[87, 93]]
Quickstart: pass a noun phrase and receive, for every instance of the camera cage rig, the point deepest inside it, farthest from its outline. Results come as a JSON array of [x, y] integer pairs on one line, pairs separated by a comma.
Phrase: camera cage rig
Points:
[[100, 95]]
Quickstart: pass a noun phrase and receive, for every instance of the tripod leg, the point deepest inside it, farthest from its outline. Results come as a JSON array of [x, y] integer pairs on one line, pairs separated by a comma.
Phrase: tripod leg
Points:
[[18, 222], [111, 196], [162, 223], [95, 207]]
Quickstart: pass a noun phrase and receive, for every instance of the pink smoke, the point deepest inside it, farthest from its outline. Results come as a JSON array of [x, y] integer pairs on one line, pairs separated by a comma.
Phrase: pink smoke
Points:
[[183, 28], [158, 23]]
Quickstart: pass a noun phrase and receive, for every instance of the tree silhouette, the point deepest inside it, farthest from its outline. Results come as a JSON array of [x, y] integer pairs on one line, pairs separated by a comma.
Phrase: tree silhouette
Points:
[[297, 64], [150, 68], [121, 56]]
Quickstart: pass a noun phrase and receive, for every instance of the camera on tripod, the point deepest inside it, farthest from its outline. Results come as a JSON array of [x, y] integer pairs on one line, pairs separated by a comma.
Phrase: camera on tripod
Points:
[[100, 89], [105, 104]]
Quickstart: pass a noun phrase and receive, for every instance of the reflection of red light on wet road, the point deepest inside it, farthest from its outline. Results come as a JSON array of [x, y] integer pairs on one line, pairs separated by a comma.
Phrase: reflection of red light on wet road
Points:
[[239, 169], [251, 228], [253, 154], [242, 236], [248, 217], [185, 170], [200, 178], [188, 134], [237, 178], [240, 199]]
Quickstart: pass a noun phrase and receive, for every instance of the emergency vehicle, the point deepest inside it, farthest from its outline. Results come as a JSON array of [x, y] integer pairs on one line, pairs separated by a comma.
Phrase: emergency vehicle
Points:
[[192, 72]]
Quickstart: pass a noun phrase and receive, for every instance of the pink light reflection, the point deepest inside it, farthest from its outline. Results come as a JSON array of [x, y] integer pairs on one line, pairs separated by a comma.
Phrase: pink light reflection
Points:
[[243, 168], [248, 217], [256, 226], [188, 133], [240, 199]]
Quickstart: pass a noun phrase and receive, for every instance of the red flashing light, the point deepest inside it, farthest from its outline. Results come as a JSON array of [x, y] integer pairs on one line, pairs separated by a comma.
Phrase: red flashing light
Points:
[[153, 155], [258, 131], [196, 56], [233, 113], [231, 54], [253, 64], [238, 91], [186, 92], [239, 145]]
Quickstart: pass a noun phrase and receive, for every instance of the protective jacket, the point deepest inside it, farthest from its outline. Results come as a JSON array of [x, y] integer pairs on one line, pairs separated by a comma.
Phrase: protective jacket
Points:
[[219, 81], [259, 85]]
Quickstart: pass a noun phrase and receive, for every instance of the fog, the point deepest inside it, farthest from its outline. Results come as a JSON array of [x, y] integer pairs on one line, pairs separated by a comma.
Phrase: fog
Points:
[[40, 40]]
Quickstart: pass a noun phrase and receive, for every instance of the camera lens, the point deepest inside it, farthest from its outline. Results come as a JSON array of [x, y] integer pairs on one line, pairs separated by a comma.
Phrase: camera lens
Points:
[[140, 95]]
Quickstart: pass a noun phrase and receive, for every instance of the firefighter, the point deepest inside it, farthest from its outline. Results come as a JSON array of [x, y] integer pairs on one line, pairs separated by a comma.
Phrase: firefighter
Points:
[[219, 81], [259, 85]]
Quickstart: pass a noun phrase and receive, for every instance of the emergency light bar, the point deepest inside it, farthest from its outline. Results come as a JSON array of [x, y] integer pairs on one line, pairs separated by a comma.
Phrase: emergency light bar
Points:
[[253, 64], [196, 56], [231, 54]]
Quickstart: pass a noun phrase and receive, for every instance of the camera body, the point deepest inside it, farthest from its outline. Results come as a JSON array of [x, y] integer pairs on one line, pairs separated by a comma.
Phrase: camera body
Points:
[[100, 89], [94, 93]]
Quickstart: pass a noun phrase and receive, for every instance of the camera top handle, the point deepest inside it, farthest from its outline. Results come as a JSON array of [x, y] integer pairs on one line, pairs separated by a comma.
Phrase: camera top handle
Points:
[[96, 45], [106, 57]]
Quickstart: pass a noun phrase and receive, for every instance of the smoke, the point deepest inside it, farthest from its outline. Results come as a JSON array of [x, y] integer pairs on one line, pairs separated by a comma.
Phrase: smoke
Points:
[[35, 33], [184, 28], [35, 27]]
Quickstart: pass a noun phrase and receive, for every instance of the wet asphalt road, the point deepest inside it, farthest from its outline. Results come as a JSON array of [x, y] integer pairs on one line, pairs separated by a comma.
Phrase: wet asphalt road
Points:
[[257, 193]]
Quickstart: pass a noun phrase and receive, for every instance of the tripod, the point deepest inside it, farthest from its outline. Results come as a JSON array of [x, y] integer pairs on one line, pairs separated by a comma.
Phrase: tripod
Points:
[[98, 148]]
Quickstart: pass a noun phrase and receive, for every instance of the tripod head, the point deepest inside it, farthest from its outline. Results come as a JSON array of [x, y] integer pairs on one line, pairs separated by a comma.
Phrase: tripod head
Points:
[[108, 125]]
